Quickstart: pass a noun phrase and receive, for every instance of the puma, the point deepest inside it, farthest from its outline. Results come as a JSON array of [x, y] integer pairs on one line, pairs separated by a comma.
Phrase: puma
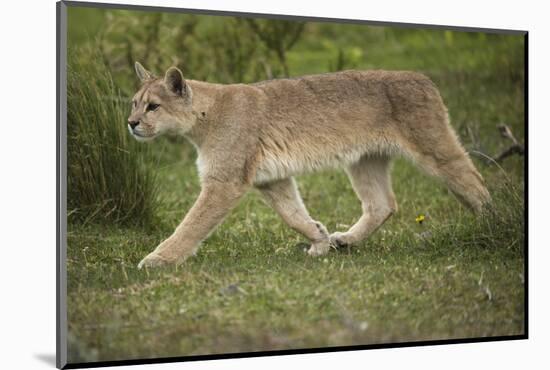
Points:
[[263, 134]]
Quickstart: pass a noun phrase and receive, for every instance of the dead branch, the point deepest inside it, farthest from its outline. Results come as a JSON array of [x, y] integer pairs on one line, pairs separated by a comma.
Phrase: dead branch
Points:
[[515, 148]]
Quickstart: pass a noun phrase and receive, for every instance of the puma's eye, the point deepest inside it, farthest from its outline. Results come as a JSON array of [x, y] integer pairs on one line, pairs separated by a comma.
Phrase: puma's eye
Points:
[[152, 107], [134, 103]]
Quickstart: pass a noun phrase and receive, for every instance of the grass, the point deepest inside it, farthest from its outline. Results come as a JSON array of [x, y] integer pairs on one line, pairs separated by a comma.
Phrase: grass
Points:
[[108, 178], [251, 287]]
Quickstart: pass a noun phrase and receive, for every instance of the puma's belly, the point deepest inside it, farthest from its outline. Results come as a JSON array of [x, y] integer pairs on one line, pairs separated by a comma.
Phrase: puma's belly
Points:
[[280, 166]]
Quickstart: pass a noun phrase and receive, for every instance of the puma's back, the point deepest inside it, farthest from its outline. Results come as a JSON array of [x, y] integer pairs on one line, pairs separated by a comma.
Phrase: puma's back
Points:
[[333, 119]]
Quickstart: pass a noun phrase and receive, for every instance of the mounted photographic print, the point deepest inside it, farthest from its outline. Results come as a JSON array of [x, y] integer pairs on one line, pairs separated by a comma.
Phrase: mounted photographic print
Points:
[[234, 185]]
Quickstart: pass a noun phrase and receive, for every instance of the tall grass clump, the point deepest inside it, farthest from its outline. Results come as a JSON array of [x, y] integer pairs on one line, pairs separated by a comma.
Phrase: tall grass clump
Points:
[[501, 226], [109, 176]]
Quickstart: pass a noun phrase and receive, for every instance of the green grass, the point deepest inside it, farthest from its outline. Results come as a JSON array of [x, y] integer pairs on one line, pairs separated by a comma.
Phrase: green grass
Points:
[[108, 179], [251, 287]]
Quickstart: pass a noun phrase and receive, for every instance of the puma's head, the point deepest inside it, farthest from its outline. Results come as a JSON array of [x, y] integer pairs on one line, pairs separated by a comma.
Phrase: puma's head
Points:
[[161, 105]]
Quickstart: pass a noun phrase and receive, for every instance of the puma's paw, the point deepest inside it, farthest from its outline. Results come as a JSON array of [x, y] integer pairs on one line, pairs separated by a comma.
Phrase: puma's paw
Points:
[[340, 240], [154, 260], [319, 248]]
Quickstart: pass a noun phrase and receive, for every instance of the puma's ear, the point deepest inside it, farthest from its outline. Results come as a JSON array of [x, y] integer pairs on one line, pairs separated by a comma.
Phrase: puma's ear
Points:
[[142, 73], [174, 81]]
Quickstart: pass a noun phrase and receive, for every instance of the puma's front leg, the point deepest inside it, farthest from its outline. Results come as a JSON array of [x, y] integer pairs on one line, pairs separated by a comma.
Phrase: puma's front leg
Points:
[[285, 199], [213, 204]]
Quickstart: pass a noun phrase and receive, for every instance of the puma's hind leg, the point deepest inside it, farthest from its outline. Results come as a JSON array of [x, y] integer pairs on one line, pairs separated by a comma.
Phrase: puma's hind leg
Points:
[[284, 198], [446, 159], [435, 147], [371, 181]]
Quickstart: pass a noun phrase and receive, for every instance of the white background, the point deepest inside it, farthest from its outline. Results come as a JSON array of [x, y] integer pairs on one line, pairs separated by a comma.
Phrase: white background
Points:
[[27, 182]]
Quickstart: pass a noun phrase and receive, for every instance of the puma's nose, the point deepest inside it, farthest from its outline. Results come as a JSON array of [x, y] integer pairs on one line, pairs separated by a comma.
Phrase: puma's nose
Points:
[[133, 124]]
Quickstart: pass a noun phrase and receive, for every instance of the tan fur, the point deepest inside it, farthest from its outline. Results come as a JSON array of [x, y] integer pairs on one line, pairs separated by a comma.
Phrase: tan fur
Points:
[[263, 134]]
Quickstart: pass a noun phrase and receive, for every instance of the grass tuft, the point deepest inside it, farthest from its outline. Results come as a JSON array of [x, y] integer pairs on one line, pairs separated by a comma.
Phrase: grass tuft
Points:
[[501, 225], [108, 178]]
